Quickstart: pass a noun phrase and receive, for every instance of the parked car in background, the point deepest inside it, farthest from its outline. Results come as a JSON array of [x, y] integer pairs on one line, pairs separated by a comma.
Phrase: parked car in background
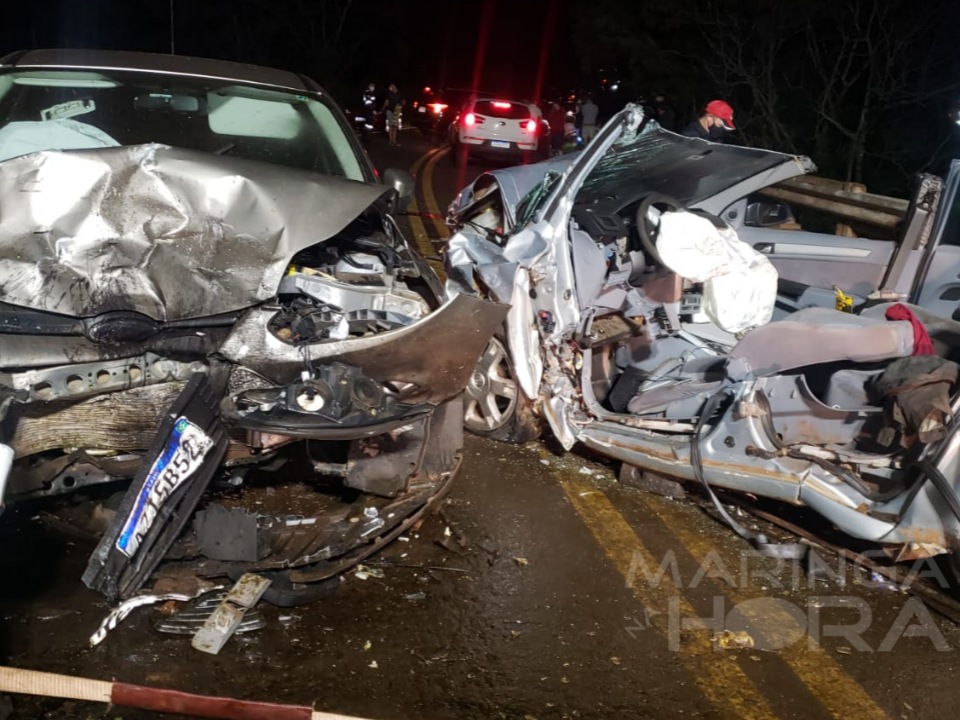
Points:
[[644, 292], [206, 278], [436, 109], [494, 127]]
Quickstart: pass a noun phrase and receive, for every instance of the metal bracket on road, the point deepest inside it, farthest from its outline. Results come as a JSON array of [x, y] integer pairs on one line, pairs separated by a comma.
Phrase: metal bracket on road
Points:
[[225, 620]]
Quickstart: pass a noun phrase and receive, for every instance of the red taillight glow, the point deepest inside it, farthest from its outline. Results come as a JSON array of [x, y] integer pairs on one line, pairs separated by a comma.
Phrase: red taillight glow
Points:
[[530, 125], [502, 105], [438, 107], [469, 119]]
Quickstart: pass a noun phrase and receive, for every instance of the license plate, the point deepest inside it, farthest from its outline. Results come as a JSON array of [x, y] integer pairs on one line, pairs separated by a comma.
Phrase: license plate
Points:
[[181, 457], [499, 144], [422, 109]]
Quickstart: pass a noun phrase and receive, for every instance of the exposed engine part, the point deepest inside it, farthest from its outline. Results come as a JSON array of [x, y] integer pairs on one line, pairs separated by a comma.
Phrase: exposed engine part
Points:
[[337, 310], [77, 381]]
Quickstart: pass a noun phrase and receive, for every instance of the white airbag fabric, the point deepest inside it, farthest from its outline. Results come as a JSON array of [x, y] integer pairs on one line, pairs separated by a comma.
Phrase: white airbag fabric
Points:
[[739, 284]]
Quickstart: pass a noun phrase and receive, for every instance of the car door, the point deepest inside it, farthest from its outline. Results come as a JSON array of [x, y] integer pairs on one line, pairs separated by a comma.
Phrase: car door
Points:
[[812, 264], [938, 285]]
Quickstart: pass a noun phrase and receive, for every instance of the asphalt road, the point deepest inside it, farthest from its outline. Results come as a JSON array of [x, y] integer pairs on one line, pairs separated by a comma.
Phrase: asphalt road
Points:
[[538, 593]]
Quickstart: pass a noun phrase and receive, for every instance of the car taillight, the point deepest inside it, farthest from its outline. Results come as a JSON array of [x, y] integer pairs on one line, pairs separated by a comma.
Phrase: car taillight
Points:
[[469, 119], [438, 107], [502, 105], [529, 125]]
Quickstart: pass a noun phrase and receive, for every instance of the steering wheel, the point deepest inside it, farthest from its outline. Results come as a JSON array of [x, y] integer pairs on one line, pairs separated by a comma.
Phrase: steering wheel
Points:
[[649, 232]]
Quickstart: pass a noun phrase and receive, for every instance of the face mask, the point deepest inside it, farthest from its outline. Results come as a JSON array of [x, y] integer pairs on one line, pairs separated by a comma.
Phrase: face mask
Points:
[[717, 133]]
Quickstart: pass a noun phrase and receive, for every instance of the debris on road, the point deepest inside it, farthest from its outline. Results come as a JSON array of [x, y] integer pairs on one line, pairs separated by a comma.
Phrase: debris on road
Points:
[[120, 613], [521, 561], [732, 640], [220, 626], [365, 572], [190, 619]]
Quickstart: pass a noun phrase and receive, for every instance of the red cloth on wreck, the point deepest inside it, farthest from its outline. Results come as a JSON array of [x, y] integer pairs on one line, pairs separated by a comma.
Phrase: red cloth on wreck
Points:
[[922, 344]]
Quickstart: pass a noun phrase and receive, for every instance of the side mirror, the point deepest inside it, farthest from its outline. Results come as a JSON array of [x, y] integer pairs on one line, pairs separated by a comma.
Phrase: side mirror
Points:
[[403, 183], [767, 213]]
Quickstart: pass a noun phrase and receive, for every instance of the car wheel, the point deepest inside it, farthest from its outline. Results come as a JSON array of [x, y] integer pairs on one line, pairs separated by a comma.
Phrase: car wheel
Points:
[[494, 405]]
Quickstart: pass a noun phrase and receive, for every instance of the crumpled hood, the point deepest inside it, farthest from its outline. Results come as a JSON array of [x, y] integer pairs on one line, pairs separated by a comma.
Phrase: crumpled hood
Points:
[[170, 233]]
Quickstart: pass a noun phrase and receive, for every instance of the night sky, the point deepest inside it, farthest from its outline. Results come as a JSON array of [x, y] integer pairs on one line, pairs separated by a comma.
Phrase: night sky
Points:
[[411, 42]]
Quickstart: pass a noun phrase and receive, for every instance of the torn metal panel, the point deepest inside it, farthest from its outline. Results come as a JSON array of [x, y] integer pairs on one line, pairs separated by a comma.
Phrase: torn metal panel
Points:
[[209, 235]]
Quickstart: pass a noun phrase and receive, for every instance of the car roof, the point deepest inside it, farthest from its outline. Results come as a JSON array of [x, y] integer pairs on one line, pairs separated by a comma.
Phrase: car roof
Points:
[[155, 62]]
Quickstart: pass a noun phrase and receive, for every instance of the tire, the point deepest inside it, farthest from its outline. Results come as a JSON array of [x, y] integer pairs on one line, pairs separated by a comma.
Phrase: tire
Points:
[[494, 406]]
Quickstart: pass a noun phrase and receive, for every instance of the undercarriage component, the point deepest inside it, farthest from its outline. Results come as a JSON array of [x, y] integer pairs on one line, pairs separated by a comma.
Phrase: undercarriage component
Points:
[[70, 472], [186, 452]]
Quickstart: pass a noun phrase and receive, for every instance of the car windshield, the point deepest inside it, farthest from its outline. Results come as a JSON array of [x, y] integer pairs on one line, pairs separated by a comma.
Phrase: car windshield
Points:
[[502, 109], [73, 110], [686, 169], [531, 202]]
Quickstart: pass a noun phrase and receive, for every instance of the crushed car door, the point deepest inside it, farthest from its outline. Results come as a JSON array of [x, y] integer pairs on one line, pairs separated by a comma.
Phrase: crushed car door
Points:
[[938, 285]]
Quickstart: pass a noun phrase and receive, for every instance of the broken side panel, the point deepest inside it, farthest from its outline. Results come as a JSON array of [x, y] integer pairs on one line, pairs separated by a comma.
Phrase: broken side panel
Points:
[[161, 499]]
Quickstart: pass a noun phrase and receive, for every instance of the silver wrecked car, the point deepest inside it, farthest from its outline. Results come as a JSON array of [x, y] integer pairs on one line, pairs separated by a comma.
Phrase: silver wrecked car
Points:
[[201, 275], [644, 327]]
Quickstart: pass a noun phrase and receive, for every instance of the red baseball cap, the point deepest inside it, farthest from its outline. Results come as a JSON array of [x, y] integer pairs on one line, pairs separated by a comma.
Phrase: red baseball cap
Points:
[[723, 111]]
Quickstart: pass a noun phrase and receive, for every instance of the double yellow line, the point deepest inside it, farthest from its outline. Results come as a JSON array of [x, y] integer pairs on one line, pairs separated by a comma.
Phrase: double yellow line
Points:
[[421, 237], [718, 675]]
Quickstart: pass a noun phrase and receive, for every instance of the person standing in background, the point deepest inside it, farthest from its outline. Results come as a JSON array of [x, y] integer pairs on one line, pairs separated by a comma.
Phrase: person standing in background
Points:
[[665, 115], [714, 124], [590, 113], [391, 106], [557, 119]]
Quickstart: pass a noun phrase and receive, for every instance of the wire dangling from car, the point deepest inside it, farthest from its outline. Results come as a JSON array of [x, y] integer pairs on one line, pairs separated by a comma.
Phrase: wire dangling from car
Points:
[[786, 551]]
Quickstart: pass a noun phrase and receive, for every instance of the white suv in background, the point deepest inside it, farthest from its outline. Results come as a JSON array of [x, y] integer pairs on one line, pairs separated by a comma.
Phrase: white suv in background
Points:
[[493, 127]]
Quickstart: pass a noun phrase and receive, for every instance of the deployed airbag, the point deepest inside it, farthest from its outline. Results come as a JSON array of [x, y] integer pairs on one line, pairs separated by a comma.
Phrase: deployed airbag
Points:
[[739, 284]]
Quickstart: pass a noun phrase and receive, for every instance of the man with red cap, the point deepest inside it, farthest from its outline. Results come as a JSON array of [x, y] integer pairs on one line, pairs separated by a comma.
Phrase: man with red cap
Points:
[[715, 122]]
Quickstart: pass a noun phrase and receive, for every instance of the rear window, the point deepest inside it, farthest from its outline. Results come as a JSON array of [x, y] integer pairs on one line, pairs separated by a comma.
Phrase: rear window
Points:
[[502, 109]]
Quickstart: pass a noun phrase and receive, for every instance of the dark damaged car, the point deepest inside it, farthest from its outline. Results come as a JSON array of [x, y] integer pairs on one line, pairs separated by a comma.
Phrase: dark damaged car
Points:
[[202, 288]]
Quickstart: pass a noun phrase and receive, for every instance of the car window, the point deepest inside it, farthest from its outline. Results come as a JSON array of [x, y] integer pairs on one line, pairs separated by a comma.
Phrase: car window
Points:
[[950, 204], [502, 109], [65, 110]]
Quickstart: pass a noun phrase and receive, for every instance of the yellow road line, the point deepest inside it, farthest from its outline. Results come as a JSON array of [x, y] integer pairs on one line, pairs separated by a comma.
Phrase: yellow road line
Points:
[[718, 676], [839, 693], [420, 237], [443, 232]]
